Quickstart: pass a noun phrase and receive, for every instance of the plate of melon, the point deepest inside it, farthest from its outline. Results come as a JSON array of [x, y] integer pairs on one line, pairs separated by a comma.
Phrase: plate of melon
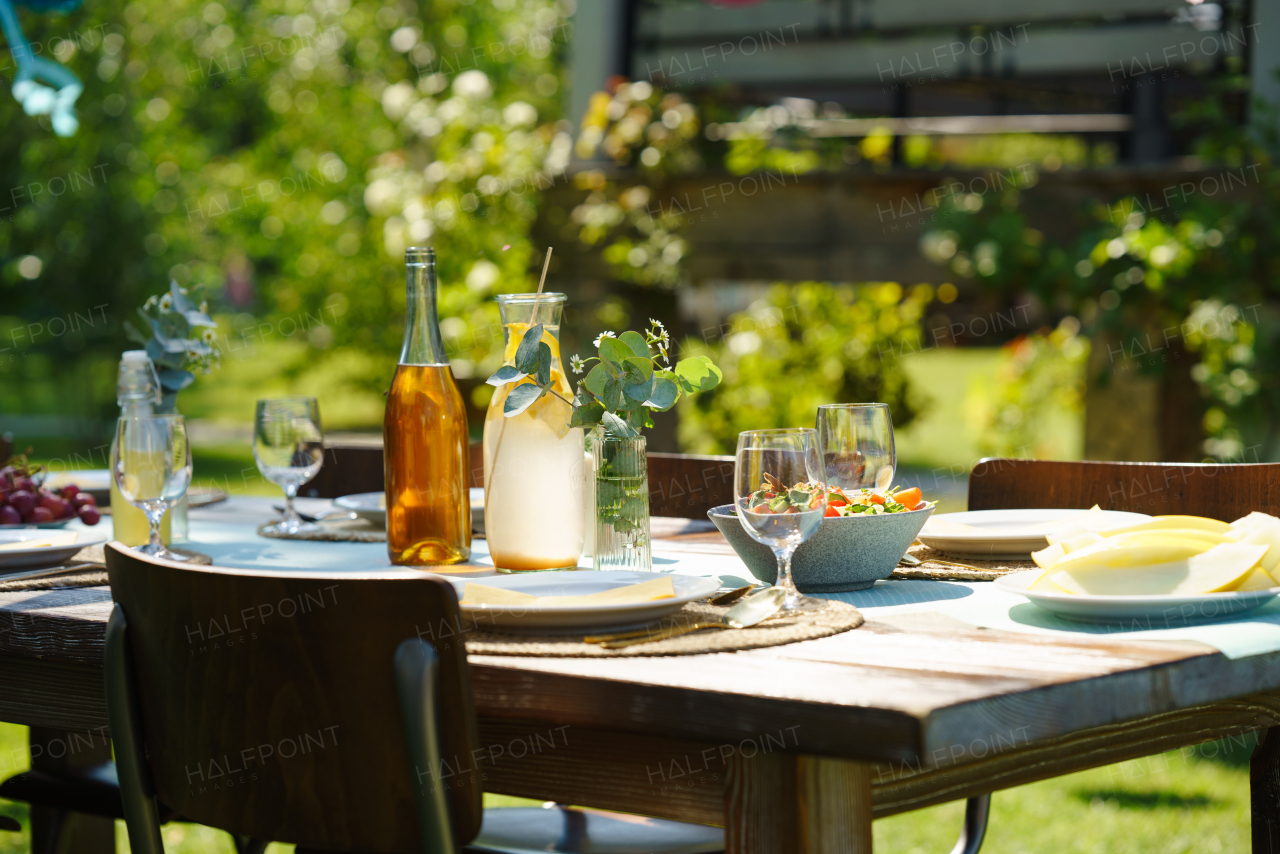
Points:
[[1179, 569]]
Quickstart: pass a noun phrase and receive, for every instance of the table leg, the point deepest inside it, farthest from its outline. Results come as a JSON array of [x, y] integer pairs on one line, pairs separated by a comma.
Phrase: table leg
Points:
[[56, 831], [1264, 792], [778, 802]]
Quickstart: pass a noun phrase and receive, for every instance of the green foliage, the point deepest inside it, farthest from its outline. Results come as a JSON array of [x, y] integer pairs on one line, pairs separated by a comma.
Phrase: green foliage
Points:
[[1037, 375], [282, 153], [621, 391], [183, 338], [845, 340]]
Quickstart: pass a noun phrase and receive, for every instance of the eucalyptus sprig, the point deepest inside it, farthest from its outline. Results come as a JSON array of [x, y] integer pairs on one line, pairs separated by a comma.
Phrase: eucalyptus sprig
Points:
[[627, 384], [183, 339]]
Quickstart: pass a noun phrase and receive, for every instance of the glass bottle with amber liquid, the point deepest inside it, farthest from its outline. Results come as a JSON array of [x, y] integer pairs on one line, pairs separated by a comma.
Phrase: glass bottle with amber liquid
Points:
[[425, 436]]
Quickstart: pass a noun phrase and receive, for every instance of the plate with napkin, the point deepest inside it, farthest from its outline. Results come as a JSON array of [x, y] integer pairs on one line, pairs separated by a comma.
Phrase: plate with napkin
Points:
[[1016, 533], [576, 602], [28, 548]]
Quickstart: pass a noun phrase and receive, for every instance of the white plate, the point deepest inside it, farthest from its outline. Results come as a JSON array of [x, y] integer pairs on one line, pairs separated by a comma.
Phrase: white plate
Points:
[[1140, 612], [40, 556], [1008, 533], [578, 619], [372, 505]]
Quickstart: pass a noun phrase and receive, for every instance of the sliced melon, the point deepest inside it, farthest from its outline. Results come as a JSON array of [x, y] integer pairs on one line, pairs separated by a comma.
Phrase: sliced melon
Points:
[[1164, 523], [1209, 572], [1255, 520], [1257, 579], [1046, 558], [1140, 549], [1270, 537]]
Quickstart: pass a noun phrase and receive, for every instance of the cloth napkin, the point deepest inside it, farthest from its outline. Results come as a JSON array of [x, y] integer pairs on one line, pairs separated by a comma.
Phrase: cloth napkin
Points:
[[658, 588]]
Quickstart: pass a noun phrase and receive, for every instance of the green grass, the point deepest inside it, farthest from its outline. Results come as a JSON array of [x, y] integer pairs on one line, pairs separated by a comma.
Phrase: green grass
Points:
[[1193, 801]]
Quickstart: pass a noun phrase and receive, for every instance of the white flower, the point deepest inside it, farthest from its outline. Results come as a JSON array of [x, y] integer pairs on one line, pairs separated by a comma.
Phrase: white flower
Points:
[[204, 307], [209, 336], [601, 337], [576, 363], [166, 302]]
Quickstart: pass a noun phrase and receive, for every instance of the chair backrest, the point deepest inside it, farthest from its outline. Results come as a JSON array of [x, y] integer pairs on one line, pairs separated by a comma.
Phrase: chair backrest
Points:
[[681, 485], [269, 705], [1218, 491]]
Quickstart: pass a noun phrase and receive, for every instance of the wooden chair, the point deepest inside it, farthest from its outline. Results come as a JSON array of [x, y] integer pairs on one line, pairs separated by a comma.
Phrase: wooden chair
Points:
[[680, 485], [1216, 490], [332, 712]]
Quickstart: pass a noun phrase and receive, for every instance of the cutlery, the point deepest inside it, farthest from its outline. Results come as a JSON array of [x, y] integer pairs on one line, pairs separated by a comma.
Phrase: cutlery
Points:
[[732, 595], [304, 517], [910, 560], [752, 610]]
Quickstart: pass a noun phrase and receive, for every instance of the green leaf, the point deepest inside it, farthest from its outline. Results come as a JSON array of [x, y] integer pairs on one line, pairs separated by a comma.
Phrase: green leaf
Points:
[[698, 374], [613, 350], [521, 398], [175, 380], [664, 395], [527, 353], [133, 334], [506, 374], [587, 415], [639, 392], [612, 397], [596, 380], [637, 370], [639, 419], [618, 427], [544, 364], [636, 342]]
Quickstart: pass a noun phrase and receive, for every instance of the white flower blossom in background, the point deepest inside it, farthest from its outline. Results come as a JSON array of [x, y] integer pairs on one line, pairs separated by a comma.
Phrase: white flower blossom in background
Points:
[[601, 337], [576, 363]]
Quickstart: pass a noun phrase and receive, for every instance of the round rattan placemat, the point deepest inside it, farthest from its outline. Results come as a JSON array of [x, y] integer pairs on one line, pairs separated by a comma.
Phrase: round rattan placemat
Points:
[[940, 566], [833, 618], [337, 531]]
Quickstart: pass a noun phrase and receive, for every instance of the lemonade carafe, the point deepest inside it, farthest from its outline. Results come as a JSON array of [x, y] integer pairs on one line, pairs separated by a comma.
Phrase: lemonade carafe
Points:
[[533, 500]]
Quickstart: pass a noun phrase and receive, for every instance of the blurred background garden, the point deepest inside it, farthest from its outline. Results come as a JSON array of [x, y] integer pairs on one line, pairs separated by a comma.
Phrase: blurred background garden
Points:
[[1076, 267]]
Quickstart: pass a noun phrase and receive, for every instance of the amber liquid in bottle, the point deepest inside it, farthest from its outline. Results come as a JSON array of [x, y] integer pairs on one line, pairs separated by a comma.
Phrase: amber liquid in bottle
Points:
[[425, 438]]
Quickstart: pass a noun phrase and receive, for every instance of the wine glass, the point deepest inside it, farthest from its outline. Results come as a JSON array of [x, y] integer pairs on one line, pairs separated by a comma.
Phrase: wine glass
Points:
[[856, 443], [781, 496], [151, 464], [288, 446]]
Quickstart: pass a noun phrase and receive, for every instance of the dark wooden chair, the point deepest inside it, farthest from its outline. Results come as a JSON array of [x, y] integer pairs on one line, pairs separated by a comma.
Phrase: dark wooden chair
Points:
[[334, 713], [1216, 490], [680, 485]]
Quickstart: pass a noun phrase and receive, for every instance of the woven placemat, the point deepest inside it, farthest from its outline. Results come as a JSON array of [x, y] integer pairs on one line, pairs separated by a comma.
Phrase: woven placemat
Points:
[[87, 568], [336, 531], [937, 565], [833, 618]]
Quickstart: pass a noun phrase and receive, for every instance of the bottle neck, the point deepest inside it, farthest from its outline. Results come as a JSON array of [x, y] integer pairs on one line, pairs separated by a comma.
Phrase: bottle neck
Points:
[[137, 408], [422, 342]]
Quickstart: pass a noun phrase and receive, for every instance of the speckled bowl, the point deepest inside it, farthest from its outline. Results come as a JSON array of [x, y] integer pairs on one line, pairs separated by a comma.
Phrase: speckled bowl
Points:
[[846, 553]]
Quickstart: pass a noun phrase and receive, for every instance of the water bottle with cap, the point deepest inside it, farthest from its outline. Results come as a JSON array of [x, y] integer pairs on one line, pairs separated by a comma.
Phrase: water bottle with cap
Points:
[[137, 392]]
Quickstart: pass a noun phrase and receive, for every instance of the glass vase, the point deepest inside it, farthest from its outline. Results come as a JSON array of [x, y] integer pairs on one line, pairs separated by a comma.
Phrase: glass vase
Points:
[[533, 505], [622, 503]]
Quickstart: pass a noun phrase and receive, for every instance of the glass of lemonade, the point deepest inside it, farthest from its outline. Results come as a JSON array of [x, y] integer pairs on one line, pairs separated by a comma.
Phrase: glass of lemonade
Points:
[[534, 515]]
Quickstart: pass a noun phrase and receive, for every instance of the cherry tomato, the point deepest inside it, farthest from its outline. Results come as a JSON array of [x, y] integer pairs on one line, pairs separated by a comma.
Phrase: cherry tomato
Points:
[[876, 498], [831, 512]]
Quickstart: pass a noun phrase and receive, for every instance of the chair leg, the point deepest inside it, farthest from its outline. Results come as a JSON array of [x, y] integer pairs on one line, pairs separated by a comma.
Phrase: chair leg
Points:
[[976, 812], [245, 845], [417, 678], [141, 815]]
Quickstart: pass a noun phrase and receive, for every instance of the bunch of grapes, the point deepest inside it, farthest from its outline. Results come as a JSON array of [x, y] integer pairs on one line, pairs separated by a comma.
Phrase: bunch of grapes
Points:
[[23, 501]]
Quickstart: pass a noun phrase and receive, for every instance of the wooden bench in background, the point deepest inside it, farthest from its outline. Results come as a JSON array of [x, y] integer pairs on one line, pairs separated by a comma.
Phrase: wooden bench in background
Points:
[[680, 485]]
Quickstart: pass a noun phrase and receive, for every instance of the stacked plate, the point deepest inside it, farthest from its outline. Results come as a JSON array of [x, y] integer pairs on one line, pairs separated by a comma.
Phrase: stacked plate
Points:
[[1012, 534], [36, 548]]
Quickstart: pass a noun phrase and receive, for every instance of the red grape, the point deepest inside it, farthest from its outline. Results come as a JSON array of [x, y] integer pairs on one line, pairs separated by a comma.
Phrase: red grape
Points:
[[8, 473], [83, 499], [69, 491], [9, 516], [38, 515], [89, 514], [24, 484], [4, 494], [51, 501], [22, 501]]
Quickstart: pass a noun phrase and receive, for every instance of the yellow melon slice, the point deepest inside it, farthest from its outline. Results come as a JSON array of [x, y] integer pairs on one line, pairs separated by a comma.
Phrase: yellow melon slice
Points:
[[1269, 537], [1257, 579], [1255, 520], [1047, 557], [1165, 523], [1139, 549], [1208, 572]]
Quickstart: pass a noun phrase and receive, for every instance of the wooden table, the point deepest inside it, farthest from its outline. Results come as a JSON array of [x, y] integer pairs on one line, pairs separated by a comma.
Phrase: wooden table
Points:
[[793, 748]]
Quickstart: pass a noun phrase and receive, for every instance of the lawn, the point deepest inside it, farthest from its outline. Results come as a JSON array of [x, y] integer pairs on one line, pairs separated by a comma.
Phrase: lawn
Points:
[[1196, 800]]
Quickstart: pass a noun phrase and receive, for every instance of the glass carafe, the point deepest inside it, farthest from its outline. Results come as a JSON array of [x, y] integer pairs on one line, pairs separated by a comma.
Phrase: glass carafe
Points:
[[533, 505]]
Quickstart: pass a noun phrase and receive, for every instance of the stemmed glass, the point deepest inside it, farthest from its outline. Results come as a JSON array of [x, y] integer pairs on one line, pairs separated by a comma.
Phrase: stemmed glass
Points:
[[783, 464], [288, 446], [151, 464], [856, 443]]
